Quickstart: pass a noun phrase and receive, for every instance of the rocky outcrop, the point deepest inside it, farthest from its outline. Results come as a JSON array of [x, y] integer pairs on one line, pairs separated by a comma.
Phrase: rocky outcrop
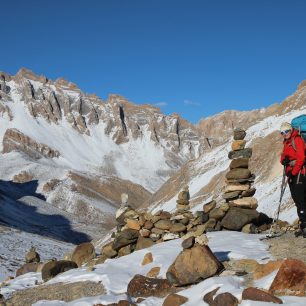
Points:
[[15, 140]]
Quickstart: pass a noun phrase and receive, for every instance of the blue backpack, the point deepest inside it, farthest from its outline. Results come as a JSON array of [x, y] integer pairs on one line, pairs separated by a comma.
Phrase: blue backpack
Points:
[[299, 123]]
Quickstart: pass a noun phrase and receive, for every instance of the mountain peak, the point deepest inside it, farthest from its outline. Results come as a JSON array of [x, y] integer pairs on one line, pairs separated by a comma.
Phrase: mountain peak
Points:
[[29, 74]]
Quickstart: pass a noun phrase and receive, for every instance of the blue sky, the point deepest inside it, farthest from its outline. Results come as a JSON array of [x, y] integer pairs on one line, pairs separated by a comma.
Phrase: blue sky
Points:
[[194, 58]]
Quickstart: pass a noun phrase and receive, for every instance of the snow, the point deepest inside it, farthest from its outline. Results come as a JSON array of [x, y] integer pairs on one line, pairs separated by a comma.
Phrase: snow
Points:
[[115, 274]]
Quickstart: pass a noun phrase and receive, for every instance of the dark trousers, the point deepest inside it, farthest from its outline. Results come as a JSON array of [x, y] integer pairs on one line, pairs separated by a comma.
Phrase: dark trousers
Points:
[[298, 193]]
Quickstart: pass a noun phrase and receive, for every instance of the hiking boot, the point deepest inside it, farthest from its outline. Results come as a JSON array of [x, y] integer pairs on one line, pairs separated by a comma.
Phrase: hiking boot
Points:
[[298, 233]]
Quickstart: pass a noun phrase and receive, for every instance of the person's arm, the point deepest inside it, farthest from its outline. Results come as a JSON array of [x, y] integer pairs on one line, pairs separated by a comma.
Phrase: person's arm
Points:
[[300, 155]]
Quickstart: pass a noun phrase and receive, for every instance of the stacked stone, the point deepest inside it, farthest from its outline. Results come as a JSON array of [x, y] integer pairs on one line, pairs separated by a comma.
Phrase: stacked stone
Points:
[[239, 190], [182, 203]]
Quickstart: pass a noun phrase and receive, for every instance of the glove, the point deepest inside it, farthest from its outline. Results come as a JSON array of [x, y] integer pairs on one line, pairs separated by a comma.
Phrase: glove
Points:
[[286, 161]]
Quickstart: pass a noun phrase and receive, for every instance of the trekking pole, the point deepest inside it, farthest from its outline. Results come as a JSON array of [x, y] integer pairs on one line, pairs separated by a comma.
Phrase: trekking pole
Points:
[[283, 188]]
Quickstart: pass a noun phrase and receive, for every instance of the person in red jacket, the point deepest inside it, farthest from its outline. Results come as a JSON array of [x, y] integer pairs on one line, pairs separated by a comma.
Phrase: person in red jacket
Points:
[[293, 159]]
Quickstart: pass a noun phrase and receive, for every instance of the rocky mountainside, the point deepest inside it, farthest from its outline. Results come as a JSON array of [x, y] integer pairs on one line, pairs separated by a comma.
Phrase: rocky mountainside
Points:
[[206, 174], [84, 152]]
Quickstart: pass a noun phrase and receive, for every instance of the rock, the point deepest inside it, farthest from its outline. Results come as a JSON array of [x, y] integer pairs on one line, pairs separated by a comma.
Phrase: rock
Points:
[[239, 163], [209, 297], [133, 224], [241, 181], [144, 233], [60, 291], [157, 231], [32, 256], [245, 153], [108, 250], [231, 195], [53, 268], [207, 207], [182, 208], [193, 265], [201, 240], [148, 258], [249, 229], [188, 243], [262, 270], [170, 236], [126, 237], [248, 193], [239, 134], [238, 145], [28, 267], [174, 300], [163, 224], [237, 217], [126, 250], [124, 199], [177, 227], [141, 286], [83, 253], [255, 294], [143, 243], [148, 225], [225, 299], [153, 272], [217, 214], [165, 215], [238, 173], [247, 202], [290, 279], [182, 202]]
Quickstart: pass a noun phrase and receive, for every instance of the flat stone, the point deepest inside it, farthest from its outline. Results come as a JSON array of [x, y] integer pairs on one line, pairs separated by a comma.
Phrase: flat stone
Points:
[[163, 224], [245, 153], [238, 173], [231, 195], [247, 202], [238, 145], [170, 236], [248, 193], [207, 207], [182, 208], [177, 227], [143, 243], [174, 300], [239, 163], [255, 294], [236, 187], [182, 202], [125, 237]]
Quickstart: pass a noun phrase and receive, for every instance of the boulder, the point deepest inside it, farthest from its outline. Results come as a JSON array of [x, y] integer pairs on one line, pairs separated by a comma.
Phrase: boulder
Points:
[[142, 286], [239, 163], [108, 250], [290, 279], [255, 294], [83, 253], [143, 243], [237, 217], [207, 207], [217, 214], [238, 173], [193, 265], [125, 237], [177, 227], [163, 224], [174, 300], [239, 134], [53, 268], [245, 153], [247, 202], [28, 267], [238, 145]]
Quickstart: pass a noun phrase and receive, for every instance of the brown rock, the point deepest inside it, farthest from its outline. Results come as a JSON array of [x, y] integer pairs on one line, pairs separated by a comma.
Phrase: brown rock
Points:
[[182, 208], [225, 299], [207, 207], [177, 227], [165, 215], [236, 187], [148, 225], [217, 214], [249, 229], [255, 294], [209, 297], [32, 256], [238, 173], [238, 145], [248, 193], [133, 224], [231, 195], [239, 163], [141, 286], [153, 272], [174, 300], [188, 243], [126, 250], [263, 270], [148, 258], [247, 202], [144, 233], [290, 279], [126, 237], [239, 134], [53, 268], [83, 253], [143, 243], [163, 224], [245, 153], [193, 265], [108, 250], [184, 195], [182, 202]]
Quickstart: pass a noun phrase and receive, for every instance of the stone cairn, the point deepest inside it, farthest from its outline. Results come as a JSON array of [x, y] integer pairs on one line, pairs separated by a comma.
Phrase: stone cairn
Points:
[[182, 202]]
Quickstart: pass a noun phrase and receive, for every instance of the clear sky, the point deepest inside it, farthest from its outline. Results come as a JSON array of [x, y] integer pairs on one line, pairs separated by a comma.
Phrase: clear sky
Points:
[[195, 57]]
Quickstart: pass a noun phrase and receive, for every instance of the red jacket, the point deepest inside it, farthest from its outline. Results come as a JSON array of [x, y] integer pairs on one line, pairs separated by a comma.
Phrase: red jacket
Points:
[[296, 154]]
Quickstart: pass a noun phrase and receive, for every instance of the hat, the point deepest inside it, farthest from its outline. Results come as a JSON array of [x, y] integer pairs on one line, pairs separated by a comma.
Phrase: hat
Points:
[[285, 126]]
